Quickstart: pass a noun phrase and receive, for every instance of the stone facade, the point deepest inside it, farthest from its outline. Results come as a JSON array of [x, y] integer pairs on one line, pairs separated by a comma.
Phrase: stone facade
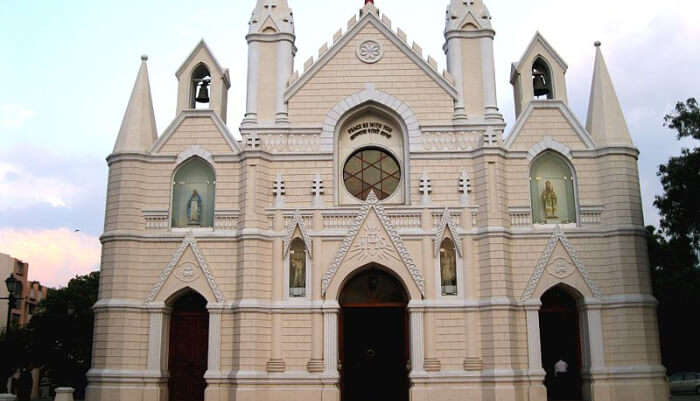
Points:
[[459, 178]]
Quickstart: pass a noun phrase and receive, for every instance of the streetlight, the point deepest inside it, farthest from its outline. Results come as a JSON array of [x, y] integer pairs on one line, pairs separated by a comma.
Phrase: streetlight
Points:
[[14, 287]]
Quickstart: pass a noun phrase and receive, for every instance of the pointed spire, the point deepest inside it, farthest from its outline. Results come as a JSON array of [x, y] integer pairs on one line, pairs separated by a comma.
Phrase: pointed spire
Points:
[[606, 122], [272, 16], [138, 130], [469, 15]]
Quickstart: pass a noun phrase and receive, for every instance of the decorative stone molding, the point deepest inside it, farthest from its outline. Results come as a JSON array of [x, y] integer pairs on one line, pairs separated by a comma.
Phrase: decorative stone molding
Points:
[[464, 186], [543, 262], [276, 366], [290, 143], [520, 216], [189, 241], [413, 138], [463, 141], [317, 190], [548, 144], [447, 223], [226, 219], [372, 203], [278, 190], [370, 51], [156, 220], [192, 151], [425, 188], [298, 221]]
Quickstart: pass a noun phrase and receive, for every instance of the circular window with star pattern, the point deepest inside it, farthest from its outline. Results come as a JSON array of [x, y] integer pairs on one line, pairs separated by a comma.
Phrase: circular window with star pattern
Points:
[[371, 169]]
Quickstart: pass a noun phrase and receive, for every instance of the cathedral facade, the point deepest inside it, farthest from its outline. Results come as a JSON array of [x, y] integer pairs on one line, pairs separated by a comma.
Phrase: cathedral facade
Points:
[[376, 234]]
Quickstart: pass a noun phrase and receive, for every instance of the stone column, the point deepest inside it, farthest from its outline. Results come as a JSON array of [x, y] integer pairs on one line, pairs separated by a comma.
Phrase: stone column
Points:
[[417, 330], [330, 339], [315, 364], [276, 363], [536, 373], [432, 283], [472, 328], [488, 70], [216, 379], [594, 360], [156, 385], [284, 72], [251, 114], [454, 66]]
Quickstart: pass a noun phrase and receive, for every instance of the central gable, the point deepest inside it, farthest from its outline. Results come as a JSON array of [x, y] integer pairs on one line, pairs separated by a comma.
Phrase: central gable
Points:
[[370, 52]]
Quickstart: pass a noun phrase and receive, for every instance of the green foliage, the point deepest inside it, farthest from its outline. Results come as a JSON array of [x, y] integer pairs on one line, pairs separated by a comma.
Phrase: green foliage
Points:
[[58, 339]]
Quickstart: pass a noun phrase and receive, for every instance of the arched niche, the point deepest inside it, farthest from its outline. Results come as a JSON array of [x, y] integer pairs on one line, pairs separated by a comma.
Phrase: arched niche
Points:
[[193, 194], [371, 155], [298, 269], [200, 87], [553, 189], [448, 268], [543, 86]]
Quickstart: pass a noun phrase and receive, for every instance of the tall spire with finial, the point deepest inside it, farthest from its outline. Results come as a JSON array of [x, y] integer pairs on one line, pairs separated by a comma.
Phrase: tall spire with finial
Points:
[[138, 131], [606, 122]]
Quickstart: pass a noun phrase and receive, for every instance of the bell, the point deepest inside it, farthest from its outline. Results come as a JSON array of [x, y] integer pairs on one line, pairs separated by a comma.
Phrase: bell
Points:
[[539, 84], [203, 95]]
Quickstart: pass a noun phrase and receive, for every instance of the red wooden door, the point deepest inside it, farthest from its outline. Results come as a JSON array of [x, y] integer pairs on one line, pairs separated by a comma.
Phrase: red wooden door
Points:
[[189, 344]]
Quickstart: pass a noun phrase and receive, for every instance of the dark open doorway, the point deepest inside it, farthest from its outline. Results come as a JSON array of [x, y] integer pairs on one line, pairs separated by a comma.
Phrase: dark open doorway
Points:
[[561, 345], [189, 344], [374, 338]]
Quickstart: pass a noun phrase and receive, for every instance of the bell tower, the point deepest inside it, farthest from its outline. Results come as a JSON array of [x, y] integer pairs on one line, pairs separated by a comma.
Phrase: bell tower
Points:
[[271, 53], [469, 50]]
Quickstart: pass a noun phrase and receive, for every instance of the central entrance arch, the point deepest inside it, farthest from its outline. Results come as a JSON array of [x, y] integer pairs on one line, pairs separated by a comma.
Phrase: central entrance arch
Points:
[[374, 338]]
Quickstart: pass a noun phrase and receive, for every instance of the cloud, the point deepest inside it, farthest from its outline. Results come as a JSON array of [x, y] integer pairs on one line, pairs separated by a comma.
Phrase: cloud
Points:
[[54, 256], [21, 189], [13, 116]]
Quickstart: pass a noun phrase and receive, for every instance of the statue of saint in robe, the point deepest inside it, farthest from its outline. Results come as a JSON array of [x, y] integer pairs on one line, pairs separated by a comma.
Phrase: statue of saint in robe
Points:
[[448, 271], [297, 273], [194, 210], [549, 201]]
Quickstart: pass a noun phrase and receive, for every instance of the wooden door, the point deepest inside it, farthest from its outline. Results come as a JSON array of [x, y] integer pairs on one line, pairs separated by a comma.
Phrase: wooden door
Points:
[[189, 344]]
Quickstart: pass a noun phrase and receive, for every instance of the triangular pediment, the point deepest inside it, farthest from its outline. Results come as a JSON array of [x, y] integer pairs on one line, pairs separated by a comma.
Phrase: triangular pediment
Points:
[[447, 229], [559, 263], [397, 40], [538, 46], [269, 26], [187, 269], [373, 239], [202, 53], [211, 134], [528, 128], [297, 229]]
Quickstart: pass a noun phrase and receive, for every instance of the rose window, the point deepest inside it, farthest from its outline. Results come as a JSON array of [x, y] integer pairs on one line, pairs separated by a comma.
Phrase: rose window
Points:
[[369, 170]]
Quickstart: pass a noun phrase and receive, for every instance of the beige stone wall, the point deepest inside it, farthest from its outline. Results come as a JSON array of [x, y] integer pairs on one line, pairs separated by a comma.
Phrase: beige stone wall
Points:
[[120, 340], [346, 75]]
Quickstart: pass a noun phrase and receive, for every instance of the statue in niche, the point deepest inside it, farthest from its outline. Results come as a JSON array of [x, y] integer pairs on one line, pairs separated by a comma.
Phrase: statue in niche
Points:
[[549, 201], [194, 209], [297, 272], [448, 271]]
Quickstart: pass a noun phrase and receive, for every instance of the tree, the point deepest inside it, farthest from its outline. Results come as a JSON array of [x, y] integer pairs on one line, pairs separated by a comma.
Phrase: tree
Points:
[[60, 334], [673, 250]]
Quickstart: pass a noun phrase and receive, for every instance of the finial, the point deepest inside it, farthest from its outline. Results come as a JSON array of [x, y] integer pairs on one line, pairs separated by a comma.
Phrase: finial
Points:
[[144, 57], [597, 43]]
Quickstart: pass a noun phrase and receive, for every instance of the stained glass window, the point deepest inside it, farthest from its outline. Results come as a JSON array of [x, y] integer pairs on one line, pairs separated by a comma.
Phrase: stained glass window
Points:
[[371, 169], [193, 195], [448, 267]]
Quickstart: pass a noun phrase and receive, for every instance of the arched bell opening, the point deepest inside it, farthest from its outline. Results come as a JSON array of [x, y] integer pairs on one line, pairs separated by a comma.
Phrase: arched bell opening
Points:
[[374, 337], [562, 346], [201, 81], [542, 80], [188, 346]]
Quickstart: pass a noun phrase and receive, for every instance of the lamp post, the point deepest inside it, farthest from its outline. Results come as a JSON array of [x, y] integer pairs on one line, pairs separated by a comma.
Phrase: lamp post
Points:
[[14, 286]]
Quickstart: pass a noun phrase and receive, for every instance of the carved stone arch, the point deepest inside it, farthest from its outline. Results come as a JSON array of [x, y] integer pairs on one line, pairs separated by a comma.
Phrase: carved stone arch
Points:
[[549, 144], [578, 278], [400, 260], [447, 223], [189, 242], [412, 138], [193, 151], [298, 223]]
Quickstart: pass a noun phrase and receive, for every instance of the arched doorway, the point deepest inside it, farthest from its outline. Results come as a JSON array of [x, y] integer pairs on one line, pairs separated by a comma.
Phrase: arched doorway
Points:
[[560, 333], [189, 344], [374, 339]]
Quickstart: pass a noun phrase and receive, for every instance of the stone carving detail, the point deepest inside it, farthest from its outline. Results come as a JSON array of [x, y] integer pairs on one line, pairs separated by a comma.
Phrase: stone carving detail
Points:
[[447, 223], [372, 202], [189, 241], [192, 151], [286, 143], [298, 221], [186, 273], [544, 262], [371, 246], [451, 141], [560, 268], [370, 51]]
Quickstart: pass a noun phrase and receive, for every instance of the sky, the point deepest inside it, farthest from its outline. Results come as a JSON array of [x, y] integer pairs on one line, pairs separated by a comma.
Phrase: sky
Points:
[[69, 67]]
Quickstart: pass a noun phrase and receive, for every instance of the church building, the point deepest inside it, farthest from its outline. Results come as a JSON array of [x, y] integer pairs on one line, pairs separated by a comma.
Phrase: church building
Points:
[[376, 233]]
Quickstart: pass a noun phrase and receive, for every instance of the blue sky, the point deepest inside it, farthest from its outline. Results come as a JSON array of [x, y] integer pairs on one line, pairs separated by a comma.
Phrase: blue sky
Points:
[[69, 67]]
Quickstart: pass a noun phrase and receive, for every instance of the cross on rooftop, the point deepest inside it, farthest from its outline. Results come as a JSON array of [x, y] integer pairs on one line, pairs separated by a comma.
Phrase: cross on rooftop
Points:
[[253, 141]]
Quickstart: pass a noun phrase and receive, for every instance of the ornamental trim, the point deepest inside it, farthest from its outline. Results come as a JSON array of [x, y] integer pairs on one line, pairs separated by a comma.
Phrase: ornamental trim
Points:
[[447, 223], [298, 221], [557, 236], [188, 241], [372, 203], [370, 51]]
